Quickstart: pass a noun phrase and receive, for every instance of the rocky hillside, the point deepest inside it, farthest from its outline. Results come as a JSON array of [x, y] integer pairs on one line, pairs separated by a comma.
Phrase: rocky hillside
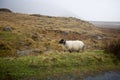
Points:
[[33, 33]]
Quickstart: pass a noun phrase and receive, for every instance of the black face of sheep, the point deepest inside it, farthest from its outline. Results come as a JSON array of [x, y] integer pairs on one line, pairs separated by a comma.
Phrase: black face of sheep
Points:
[[62, 41]]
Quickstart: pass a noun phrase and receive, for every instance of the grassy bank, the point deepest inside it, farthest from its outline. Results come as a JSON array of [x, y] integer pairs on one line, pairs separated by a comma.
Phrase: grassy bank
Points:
[[53, 64]]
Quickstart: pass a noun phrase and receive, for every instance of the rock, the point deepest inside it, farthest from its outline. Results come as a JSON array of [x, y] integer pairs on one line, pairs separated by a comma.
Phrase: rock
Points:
[[99, 37], [29, 51], [7, 28], [65, 33], [23, 52], [37, 51]]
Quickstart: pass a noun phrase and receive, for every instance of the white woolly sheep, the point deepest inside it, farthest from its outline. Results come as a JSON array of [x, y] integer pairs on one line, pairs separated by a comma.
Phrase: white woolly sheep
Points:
[[73, 45]]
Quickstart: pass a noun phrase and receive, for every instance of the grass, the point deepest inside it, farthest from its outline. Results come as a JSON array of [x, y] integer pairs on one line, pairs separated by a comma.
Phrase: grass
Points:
[[7, 35], [113, 47], [44, 33], [46, 65], [7, 43], [36, 30]]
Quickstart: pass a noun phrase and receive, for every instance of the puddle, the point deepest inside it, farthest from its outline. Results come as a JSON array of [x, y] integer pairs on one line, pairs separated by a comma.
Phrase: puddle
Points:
[[105, 76], [110, 75]]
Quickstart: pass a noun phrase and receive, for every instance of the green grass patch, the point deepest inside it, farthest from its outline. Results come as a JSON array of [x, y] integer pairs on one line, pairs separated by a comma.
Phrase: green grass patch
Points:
[[7, 43], [7, 35], [50, 64]]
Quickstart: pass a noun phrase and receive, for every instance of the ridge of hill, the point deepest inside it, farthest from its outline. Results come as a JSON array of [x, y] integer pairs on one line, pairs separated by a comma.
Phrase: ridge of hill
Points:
[[5, 10]]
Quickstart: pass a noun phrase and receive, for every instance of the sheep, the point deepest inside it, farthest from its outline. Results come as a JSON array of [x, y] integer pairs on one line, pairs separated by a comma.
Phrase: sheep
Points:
[[73, 45]]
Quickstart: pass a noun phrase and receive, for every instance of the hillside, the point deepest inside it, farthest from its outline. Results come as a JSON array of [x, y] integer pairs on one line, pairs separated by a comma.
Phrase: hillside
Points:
[[29, 48], [33, 33]]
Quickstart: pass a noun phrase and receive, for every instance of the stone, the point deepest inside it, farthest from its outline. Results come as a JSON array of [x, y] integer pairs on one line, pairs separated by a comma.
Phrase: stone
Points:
[[99, 37], [7, 28], [23, 52]]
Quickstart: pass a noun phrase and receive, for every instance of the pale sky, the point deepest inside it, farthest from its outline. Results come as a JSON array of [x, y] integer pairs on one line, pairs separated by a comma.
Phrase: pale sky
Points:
[[95, 10]]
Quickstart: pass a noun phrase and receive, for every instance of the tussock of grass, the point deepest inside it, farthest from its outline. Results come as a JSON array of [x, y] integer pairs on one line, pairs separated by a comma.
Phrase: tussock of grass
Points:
[[113, 47], [7, 46], [53, 63]]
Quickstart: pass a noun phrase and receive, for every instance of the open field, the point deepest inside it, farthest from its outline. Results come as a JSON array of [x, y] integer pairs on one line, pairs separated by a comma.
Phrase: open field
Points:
[[29, 47], [46, 66]]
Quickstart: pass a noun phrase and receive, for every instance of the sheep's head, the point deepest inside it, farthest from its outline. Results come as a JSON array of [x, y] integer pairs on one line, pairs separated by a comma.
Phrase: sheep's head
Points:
[[62, 41]]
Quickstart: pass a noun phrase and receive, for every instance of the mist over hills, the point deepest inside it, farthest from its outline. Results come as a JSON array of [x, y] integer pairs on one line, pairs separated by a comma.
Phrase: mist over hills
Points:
[[103, 10], [107, 24]]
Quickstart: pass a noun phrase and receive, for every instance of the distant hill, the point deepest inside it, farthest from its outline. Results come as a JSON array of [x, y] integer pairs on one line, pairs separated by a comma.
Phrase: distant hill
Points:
[[5, 10], [106, 24]]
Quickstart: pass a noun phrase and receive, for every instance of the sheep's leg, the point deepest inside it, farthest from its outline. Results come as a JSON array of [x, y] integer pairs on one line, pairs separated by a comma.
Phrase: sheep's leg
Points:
[[70, 51], [83, 48], [78, 51]]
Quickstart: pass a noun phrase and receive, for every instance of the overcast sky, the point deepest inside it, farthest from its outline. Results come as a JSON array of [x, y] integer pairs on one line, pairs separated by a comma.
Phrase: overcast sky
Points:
[[95, 10]]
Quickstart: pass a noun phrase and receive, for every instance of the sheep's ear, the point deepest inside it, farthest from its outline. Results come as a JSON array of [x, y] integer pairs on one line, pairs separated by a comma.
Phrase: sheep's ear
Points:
[[62, 40]]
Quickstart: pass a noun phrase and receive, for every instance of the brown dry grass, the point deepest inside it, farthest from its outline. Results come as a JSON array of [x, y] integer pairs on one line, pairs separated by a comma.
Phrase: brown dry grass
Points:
[[113, 47], [44, 32]]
